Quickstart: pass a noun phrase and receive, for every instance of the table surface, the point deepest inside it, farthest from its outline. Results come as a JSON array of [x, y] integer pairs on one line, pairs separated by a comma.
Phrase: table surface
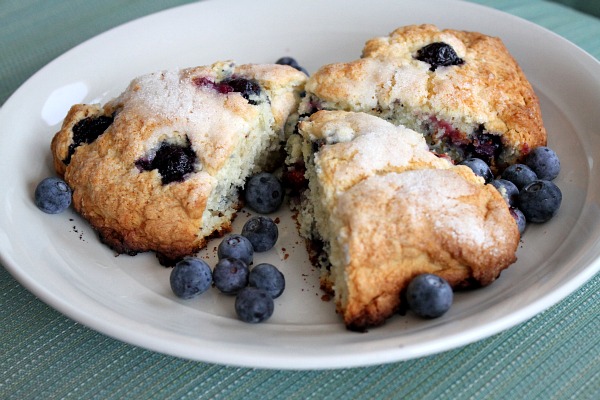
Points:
[[44, 354]]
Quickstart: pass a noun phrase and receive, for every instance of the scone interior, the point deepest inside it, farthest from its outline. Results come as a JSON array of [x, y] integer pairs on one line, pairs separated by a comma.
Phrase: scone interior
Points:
[[384, 209], [160, 167], [462, 90]]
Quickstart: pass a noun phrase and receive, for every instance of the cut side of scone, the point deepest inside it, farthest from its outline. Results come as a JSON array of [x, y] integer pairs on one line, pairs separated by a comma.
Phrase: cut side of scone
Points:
[[383, 208], [159, 167], [462, 90]]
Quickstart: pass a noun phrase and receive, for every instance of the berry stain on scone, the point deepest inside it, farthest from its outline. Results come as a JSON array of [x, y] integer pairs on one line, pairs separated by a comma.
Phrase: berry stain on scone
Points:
[[160, 167], [462, 90]]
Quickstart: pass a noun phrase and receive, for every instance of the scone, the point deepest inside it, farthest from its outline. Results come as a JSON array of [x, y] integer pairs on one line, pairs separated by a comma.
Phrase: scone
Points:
[[159, 167], [462, 90], [383, 208]]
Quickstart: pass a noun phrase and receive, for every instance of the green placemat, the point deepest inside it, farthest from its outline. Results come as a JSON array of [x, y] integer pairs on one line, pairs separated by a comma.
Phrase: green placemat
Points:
[[45, 355]]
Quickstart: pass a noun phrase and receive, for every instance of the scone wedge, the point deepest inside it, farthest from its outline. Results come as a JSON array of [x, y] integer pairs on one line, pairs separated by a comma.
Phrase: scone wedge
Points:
[[383, 209], [159, 167]]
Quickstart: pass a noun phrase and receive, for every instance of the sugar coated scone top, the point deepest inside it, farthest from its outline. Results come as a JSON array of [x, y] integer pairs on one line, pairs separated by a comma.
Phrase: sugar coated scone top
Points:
[[481, 105], [158, 168], [387, 209]]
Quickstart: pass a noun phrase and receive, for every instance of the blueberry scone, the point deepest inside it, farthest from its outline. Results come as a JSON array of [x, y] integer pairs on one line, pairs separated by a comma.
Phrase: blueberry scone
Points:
[[382, 209], [159, 167], [462, 90]]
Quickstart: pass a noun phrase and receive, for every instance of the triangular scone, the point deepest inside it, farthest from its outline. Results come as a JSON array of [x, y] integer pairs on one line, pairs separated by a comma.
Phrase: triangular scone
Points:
[[384, 209], [159, 167], [479, 105]]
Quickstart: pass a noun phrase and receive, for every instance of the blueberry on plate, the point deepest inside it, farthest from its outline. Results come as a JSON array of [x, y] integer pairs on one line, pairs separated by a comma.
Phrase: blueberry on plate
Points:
[[519, 219], [236, 246], [479, 168], [268, 277], [262, 232], [540, 201], [292, 63], [429, 296], [508, 190], [544, 162], [230, 275], [52, 195], [254, 305], [190, 277], [519, 174], [264, 193]]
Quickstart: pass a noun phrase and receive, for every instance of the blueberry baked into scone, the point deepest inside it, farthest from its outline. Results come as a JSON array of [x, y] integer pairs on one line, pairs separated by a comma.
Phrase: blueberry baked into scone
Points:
[[383, 209], [462, 90], [159, 167]]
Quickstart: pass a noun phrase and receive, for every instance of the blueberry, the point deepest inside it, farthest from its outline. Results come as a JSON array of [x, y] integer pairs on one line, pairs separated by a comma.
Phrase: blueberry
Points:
[[429, 296], [261, 232], [508, 190], [480, 168], [246, 87], [268, 277], [254, 305], [236, 246], [173, 162], [519, 219], [519, 174], [544, 162], [86, 131], [230, 275], [292, 63], [438, 54], [190, 277], [264, 193], [540, 200], [52, 195]]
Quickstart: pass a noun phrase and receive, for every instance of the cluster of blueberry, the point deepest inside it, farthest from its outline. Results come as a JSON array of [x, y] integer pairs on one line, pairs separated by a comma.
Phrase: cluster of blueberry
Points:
[[256, 287], [528, 188]]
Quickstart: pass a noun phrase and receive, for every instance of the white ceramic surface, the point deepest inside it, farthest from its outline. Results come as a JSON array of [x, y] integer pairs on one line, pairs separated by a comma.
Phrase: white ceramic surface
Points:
[[59, 259]]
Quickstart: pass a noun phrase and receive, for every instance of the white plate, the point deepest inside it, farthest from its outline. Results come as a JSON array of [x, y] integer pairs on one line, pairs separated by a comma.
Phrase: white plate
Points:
[[59, 258]]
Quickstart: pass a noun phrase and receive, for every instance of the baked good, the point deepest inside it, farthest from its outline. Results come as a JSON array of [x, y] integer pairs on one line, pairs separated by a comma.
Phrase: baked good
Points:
[[382, 209], [159, 167], [462, 90]]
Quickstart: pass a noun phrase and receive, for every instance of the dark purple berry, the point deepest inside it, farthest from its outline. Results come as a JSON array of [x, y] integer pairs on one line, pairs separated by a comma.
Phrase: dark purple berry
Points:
[[254, 305], [190, 277], [262, 232], [230, 275], [86, 131], [540, 200], [438, 54], [429, 296], [292, 63], [264, 193], [52, 195], [479, 168], [485, 146], [172, 161], [508, 190], [544, 162], [249, 89], [519, 174], [519, 219], [268, 277], [236, 246]]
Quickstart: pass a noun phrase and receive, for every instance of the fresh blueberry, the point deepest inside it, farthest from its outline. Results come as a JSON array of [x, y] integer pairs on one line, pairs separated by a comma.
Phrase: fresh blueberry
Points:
[[519, 174], [544, 162], [52, 195], [508, 190], [268, 277], [264, 193], [262, 232], [254, 305], [230, 275], [438, 54], [190, 277], [236, 246], [172, 161], [429, 296], [519, 218], [480, 168], [292, 63], [540, 201]]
